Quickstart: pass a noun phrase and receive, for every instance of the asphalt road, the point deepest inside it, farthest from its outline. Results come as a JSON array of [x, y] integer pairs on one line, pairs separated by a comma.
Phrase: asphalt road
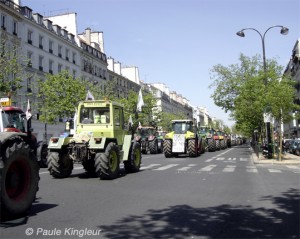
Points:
[[216, 195]]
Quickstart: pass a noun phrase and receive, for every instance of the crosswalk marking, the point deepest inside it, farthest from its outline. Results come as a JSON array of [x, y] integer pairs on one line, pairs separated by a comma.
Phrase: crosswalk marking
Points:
[[233, 159], [251, 169], [229, 168], [166, 167], [184, 169], [149, 166], [274, 170], [244, 159], [208, 168], [292, 166]]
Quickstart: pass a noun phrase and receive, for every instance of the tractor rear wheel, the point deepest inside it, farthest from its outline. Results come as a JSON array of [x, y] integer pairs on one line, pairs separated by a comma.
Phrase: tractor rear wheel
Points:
[[19, 178], [133, 163], [167, 147], [59, 164], [192, 148], [211, 145], [218, 147], [153, 147], [107, 164]]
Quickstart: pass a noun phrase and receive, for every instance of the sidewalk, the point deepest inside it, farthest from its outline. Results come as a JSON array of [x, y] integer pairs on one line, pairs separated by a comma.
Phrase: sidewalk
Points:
[[286, 159]]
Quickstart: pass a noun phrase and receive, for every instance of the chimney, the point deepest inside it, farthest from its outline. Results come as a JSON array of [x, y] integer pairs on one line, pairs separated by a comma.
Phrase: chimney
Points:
[[88, 36]]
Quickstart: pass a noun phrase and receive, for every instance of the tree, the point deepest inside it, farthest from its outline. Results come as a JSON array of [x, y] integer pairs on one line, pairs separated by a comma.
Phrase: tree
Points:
[[148, 110], [166, 119], [246, 90], [12, 65], [60, 95]]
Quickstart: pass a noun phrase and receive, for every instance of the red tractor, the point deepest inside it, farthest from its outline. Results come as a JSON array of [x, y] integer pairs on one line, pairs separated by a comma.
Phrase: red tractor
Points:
[[13, 120], [19, 170]]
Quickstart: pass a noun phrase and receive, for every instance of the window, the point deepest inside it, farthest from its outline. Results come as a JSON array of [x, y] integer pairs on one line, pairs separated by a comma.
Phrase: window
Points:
[[59, 50], [67, 54], [29, 37], [50, 66], [29, 57], [74, 57], [15, 28], [59, 68], [41, 59], [41, 38], [3, 22], [50, 46]]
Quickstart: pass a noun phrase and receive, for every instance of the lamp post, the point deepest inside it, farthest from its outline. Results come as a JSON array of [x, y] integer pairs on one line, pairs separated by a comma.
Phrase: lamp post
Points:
[[283, 31]]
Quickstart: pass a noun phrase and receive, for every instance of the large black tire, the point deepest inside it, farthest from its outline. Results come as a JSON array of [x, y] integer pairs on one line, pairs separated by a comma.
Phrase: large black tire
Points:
[[218, 145], [42, 155], [167, 147], [107, 164], [192, 148], [144, 147], [133, 163], [59, 164], [211, 145], [153, 147], [160, 145], [222, 143], [19, 176]]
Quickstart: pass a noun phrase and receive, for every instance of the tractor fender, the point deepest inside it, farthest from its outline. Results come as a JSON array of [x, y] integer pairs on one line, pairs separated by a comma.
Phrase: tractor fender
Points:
[[56, 143], [126, 146]]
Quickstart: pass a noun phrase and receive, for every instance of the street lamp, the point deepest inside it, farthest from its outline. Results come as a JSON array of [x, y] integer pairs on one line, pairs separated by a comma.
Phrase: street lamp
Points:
[[283, 31]]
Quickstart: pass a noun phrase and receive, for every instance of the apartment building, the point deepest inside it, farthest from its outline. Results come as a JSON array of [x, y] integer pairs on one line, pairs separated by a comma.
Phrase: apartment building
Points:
[[292, 129], [52, 44]]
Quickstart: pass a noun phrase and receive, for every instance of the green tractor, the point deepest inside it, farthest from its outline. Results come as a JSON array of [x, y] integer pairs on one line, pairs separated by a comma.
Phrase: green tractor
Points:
[[100, 141], [183, 139], [208, 135]]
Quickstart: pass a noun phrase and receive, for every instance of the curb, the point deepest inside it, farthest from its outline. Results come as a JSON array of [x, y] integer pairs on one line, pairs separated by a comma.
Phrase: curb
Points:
[[257, 160]]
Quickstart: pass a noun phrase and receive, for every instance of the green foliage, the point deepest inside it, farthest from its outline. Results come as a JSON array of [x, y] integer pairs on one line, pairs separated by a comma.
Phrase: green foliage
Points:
[[11, 65], [246, 91], [148, 110], [60, 95], [166, 119]]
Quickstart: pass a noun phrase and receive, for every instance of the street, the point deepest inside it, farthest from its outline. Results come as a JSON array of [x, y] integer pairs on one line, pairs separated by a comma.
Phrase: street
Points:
[[220, 194]]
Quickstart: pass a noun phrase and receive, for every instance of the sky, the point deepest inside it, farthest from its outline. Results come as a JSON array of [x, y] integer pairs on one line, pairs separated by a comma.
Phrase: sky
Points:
[[177, 42]]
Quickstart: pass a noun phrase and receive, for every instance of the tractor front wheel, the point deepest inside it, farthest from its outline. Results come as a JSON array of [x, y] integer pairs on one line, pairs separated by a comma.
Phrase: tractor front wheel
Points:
[[59, 164], [107, 164]]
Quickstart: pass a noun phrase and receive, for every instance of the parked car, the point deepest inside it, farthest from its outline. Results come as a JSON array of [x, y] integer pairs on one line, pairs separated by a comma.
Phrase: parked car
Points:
[[294, 147]]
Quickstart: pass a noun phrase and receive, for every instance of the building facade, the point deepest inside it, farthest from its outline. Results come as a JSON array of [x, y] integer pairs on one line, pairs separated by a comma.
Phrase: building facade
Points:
[[51, 44], [292, 129]]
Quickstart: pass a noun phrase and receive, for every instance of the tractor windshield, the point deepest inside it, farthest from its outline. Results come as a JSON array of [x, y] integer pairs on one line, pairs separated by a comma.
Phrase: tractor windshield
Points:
[[145, 132], [203, 130], [93, 115], [181, 127], [13, 119]]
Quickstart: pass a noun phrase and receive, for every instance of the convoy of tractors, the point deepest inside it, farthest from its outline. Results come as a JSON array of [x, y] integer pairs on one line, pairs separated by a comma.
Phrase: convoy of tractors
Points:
[[98, 137]]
